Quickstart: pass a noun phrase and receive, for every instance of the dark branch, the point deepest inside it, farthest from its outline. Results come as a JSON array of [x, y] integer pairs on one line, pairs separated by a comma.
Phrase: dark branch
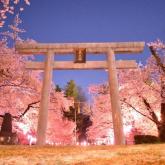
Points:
[[26, 110], [124, 101], [156, 90], [157, 58], [19, 85], [146, 104], [151, 112], [13, 84]]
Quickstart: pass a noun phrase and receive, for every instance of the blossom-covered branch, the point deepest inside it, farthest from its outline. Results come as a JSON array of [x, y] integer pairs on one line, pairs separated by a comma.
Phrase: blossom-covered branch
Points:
[[9, 7]]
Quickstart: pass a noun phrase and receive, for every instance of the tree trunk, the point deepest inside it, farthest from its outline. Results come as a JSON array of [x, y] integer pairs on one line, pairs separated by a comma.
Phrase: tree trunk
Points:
[[161, 132], [161, 127], [7, 123], [6, 134]]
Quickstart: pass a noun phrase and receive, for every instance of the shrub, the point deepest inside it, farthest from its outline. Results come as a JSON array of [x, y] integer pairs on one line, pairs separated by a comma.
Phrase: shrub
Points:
[[140, 139]]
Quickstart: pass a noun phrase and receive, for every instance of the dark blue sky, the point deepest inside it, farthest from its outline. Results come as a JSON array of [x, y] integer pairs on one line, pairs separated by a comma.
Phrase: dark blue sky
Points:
[[94, 21]]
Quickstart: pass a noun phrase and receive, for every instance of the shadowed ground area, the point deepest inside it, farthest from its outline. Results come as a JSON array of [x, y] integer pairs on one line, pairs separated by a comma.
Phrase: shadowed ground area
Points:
[[92, 155]]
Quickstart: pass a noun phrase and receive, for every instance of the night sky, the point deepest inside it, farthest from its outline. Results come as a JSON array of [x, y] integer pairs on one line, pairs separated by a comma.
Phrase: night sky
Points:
[[61, 21]]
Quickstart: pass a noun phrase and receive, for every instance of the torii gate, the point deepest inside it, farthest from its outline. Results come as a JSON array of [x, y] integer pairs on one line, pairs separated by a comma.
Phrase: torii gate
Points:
[[80, 50]]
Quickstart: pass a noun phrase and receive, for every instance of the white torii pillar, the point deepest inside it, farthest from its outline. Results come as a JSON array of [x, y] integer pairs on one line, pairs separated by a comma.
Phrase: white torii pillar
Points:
[[115, 100], [45, 99]]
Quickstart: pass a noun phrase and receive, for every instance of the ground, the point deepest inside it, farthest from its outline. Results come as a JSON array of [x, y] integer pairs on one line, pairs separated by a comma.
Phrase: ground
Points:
[[91, 155]]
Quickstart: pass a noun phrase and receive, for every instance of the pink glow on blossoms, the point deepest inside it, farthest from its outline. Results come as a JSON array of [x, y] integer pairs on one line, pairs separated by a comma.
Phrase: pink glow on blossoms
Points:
[[25, 129], [127, 129], [158, 44], [32, 140]]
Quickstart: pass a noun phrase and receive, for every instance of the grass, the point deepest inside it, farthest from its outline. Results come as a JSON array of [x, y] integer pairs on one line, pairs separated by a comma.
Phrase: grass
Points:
[[91, 155]]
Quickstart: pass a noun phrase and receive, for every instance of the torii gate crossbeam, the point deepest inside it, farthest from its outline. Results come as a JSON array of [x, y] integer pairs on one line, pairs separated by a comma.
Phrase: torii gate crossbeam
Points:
[[110, 49]]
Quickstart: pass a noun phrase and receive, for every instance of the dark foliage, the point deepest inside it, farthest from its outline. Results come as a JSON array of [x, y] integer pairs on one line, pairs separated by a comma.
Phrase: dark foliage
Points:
[[141, 139], [6, 134], [82, 121]]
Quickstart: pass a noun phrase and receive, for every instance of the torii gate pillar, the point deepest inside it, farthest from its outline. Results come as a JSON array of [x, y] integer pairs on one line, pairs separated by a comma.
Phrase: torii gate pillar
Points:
[[115, 100], [45, 96]]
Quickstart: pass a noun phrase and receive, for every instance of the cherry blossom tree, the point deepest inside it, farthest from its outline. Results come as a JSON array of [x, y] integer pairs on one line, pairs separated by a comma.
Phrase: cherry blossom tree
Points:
[[10, 7], [100, 116], [135, 96], [20, 94], [60, 130], [19, 88], [150, 89], [157, 49]]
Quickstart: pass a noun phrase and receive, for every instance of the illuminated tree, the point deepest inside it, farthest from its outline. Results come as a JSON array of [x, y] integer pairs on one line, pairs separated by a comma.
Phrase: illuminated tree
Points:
[[158, 52], [135, 95], [20, 95], [100, 116], [149, 87]]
